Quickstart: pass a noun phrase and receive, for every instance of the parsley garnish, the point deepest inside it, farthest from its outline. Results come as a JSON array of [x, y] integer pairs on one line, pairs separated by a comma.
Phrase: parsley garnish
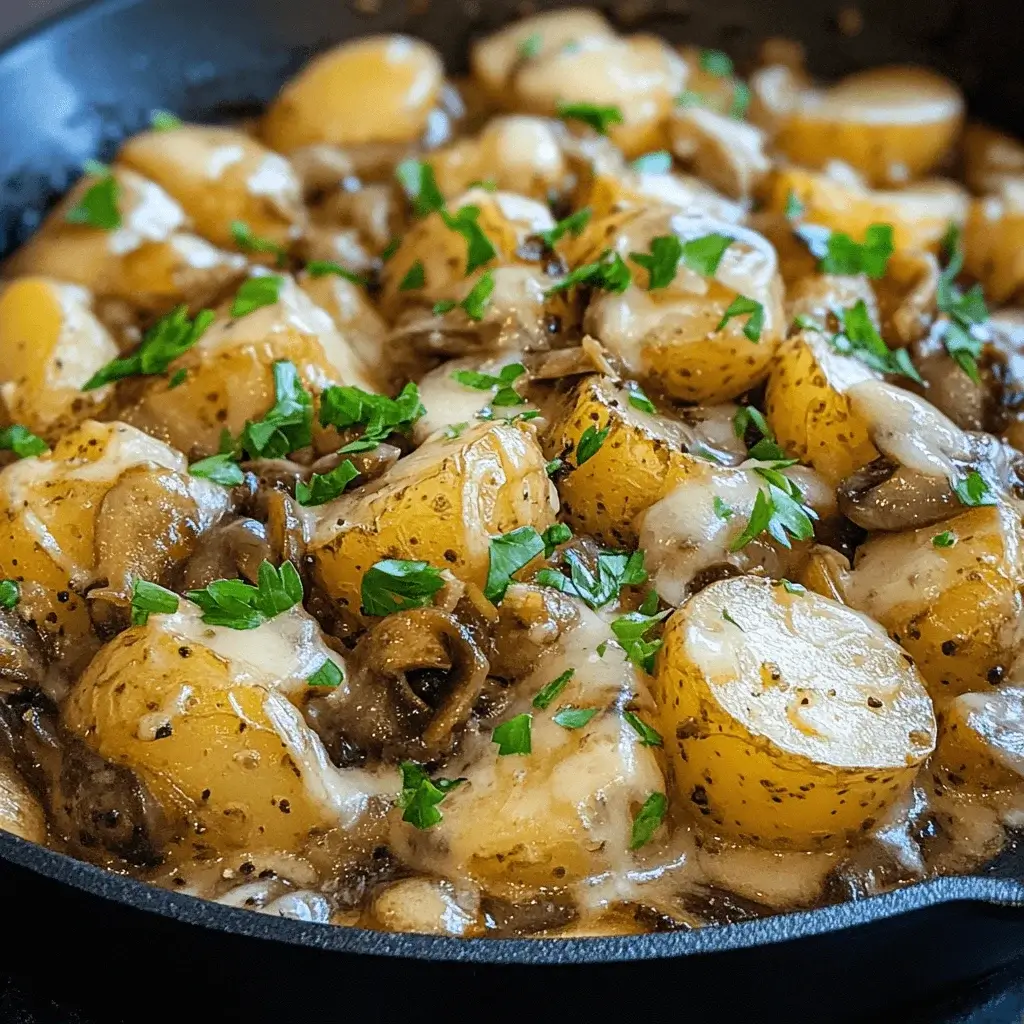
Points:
[[167, 340], [648, 737], [508, 554], [415, 277], [630, 631], [475, 303], [248, 242], [21, 441], [648, 820], [531, 46], [573, 718], [395, 585], [662, 262], [728, 618], [748, 414], [328, 675], [288, 425], [704, 254], [505, 393], [638, 398], [780, 511], [550, 691], [325, 487], [420, 795], [794, 209], [860, 338], [221, 469], [792, 588], [553, 536], [454, 430], [479, 249], [659, 162], [390, 249], [573, 225], [590, 443], [98, 206], [838, 253], [418, 181], [597, 117], [349, 406], [10, 594], [965, 311], [321, 268], [946, 539], [164, 121], [741, 306], [553, 466], [716, 63], [255, 293], [609, 273], [513, 736], [240, 605], [722, 510], [151, 599], [615, 570], [973, 491]]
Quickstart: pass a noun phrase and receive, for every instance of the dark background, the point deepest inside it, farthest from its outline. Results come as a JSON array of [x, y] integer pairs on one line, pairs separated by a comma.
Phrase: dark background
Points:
[[24, 999]]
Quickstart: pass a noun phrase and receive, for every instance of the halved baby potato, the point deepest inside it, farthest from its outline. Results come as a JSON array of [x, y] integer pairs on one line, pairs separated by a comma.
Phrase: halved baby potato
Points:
[[51, 344], [674, 337], [892, 124], [793, 722], [981, 740], [994, 242], [220, 176], [211, 733], [954, 608], [808, 410], [376, 89], [441, 504]]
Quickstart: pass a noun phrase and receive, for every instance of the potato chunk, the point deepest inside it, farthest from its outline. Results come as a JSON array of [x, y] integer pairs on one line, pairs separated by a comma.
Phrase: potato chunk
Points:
[[955, 608], [219, 176], [674, 336], [377, 89], [51, 344], [793, 721], [981, 740], [994, 240], [49, 512], [210, 729], [809, 412], [442, 504], [563, 811]]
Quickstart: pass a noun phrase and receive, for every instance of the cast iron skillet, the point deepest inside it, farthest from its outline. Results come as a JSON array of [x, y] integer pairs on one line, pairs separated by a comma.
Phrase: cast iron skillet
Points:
[[72, 90]]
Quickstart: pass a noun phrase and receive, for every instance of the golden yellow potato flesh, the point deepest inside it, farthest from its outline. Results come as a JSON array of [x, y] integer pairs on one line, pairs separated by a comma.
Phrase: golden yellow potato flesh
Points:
[[892, 124], [215, 738], [378, 89], [442, 505], [807, 408], [981, 740], [792, 721], [51, 344], [993, 242], [220, 176], [641, 459], [953, 608]]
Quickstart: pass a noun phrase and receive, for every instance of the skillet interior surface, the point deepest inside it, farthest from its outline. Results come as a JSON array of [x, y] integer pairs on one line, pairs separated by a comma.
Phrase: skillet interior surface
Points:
[[73, 89]]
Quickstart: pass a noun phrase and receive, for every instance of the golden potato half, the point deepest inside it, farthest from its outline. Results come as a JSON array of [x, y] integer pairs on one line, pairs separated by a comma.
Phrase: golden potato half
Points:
[[792, 721], [51, 344], [807, 407], [378, 89], [994, 242], [954, 608], [442, 505], [981, 740]]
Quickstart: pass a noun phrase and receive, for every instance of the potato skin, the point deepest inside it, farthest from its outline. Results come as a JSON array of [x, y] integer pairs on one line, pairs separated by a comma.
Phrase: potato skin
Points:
[[809, 412], [641, 459], [994, 240], [442, 504], [953, 609], [767, 771]]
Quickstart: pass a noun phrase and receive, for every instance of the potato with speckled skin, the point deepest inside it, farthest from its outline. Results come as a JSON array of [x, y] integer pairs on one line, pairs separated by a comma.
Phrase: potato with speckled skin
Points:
[[920, 215], [641, 459], [377, 89], [993, 242], [151, 261], [892, 124], [51, 344], [227, 754], [442, 505], [807, 407], [981, 740], [955, 609], [793, 722], [674, 337], [49, 512], [219, 176]]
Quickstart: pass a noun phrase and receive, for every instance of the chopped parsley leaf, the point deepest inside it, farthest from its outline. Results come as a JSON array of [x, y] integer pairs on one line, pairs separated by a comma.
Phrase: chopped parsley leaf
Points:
[[779, 511], [328, 676], [573, 718], [551, 690], [966, 310], [741, 306], [395, 584], [572, 225], [348, 406], [508, 554], [597, 117], [415, 277], [502, 384], [662, 262], [553, 466], [946, 539], [248, 242], [609, 273], [794, 209], [638, 397], [728, 618], [860, 338], [513, 736], [531, 46], [648, 820], [255, 293], [420, 795], [722, 510], [630, 631], [164, 121], [555, 535], [239, 605], [590, 443], [419, 184], [973, 491], [325, 487], [479, 250], [716, 63], [151, 599], [10, 594], [649, 737], [98, 206], [288, 424], [221, 469], [475, 303], [838, 253], [21, 441], [747, 415], [321, 268], [615, 570]]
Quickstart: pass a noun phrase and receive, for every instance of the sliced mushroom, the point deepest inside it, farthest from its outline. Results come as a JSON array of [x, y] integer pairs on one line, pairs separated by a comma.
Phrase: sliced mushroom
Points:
[[231, 550], [967, 403], [530, 620], [414, 678], [22, 658], [587, 357], [885, 496], [907, 296]]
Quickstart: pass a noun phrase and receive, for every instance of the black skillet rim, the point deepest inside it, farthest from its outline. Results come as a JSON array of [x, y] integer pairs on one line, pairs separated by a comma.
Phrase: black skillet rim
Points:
[[189, 910]]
